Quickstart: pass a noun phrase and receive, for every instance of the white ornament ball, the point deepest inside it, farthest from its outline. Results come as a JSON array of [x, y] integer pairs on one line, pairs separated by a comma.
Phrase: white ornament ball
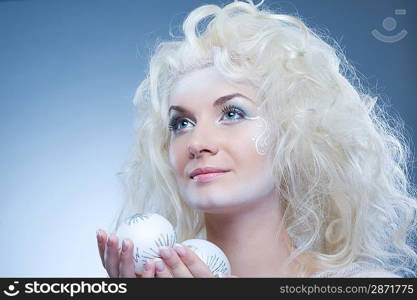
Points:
[[148, 232], [211, 254]]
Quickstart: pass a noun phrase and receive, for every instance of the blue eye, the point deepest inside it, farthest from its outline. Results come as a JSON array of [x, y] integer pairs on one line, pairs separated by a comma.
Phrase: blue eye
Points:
[[232, 112], [177, 123]]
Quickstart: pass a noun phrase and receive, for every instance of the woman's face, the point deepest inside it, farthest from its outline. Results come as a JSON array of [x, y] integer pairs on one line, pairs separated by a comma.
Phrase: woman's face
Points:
[[216, 124]]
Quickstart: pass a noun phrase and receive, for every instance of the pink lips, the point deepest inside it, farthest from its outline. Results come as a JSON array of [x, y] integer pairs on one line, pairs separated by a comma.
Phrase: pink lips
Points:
[[207, 174]]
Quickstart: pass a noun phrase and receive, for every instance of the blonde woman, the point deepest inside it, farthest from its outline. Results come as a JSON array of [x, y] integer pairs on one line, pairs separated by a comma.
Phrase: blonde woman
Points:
[[254, 134]]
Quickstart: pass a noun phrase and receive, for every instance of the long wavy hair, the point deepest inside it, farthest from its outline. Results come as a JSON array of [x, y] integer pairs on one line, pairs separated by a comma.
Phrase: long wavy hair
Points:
[[340, 163]]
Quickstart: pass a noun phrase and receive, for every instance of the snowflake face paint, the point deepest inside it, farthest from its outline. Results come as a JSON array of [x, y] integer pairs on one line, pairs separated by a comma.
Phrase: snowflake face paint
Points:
[[218, 143], [262, 139]]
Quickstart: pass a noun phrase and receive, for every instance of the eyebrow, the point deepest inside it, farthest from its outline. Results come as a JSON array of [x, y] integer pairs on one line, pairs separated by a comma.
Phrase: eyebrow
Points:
[[218, 102]]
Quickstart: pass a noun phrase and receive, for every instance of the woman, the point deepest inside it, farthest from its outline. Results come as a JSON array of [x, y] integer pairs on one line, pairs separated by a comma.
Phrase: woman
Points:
[[252, 135]]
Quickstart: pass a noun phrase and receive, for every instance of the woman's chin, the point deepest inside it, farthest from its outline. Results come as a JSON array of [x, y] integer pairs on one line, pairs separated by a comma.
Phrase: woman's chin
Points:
[[214, 205]]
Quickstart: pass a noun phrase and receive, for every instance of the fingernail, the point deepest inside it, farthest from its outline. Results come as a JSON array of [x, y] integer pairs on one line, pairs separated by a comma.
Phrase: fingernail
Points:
[[159, 264], [124, 246], [98, 235], [147, 266], [109, 241], [165, 253], [180, 249]]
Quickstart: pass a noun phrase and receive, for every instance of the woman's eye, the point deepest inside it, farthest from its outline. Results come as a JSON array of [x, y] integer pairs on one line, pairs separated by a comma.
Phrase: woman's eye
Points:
[[233, 113], [178, 123], [182, 124]]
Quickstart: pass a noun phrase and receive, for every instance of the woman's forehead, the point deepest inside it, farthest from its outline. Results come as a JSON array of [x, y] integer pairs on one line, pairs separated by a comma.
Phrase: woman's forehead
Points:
[[207, 83]]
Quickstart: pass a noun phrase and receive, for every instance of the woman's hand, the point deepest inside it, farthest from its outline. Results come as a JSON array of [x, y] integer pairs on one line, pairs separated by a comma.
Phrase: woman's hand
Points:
[[180, 261], [119, 263]]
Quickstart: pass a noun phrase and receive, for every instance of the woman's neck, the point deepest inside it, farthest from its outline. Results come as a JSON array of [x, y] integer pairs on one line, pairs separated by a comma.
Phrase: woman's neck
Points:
[[253, 239]]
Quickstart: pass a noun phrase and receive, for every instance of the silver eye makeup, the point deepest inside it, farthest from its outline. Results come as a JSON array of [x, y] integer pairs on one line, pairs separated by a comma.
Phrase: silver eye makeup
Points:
[[230, 113], [234, 112], [176, 123]]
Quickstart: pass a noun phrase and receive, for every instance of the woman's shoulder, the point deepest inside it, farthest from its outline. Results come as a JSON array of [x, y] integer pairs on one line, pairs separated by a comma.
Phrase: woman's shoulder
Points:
[[356, 270]]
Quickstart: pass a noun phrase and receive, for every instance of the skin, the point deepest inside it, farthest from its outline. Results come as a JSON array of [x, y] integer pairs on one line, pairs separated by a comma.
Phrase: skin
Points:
[[179, 262], [241, 207], [208, 137]]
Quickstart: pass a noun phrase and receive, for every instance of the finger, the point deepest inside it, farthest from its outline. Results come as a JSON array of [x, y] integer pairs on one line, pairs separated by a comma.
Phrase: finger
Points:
[[161, 269], [101, 242], [196, 266], [112, 256], [174, 263], [148, 270], [225, 276], [127, 265]]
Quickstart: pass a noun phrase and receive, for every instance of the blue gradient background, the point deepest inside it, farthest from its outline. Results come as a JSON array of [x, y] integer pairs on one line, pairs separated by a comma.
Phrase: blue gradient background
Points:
[[68, 72]]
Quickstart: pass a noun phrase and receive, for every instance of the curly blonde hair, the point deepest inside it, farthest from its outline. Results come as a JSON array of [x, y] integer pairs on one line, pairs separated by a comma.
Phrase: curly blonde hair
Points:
[[341, 167]]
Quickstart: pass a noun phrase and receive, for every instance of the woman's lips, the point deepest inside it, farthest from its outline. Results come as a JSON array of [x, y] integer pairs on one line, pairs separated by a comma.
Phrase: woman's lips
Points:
[[207, 176]]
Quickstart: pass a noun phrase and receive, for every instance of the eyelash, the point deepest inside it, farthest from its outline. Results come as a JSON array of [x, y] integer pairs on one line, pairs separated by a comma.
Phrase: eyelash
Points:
[[173, 123]]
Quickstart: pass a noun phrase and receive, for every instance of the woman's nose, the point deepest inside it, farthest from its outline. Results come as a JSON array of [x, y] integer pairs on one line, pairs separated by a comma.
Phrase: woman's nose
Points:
[[202, 142]]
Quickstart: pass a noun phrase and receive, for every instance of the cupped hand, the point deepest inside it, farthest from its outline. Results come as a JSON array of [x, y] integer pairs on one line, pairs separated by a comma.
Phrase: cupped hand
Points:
[[181, 262], [119, 262], [177, 262]]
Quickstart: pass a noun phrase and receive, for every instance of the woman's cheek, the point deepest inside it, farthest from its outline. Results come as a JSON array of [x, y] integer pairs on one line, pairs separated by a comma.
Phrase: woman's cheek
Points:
[[253, 132], [174, 156], [260, 135]]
